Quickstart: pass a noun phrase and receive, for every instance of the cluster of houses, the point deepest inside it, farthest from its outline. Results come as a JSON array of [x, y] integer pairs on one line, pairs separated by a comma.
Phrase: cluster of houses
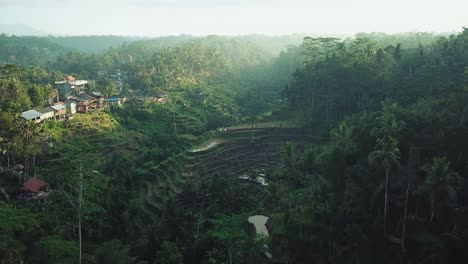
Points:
[[75, 99], [56, 112]]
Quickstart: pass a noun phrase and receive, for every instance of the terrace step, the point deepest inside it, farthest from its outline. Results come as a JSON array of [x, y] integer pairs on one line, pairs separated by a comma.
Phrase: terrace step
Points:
[[233, 156]]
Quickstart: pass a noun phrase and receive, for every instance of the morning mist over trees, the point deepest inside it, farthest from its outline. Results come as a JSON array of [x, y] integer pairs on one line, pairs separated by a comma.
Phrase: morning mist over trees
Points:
[[202, 131]]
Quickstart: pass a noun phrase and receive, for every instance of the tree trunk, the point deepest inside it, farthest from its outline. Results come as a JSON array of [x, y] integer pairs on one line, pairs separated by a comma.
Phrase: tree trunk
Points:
[[131, 181], [230, 255], [356, 259], [25, 170], [433, 208], [79, 234], [175, 124], [311, 102], [462, 118], [199, 221], [405, 217], [79, 214], [328, 107], [251, 132], [34, 165], [386, 203]]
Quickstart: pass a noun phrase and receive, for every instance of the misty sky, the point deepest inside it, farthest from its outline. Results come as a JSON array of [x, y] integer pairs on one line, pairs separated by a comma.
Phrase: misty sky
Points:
[[232, 17]]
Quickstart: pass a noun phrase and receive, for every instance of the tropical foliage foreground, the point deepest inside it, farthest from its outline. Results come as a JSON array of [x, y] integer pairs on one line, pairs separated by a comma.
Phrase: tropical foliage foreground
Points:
[[361, 143]]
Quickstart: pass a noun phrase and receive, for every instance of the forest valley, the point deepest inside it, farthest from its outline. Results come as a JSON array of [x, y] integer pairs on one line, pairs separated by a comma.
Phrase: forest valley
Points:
[[355, 150]]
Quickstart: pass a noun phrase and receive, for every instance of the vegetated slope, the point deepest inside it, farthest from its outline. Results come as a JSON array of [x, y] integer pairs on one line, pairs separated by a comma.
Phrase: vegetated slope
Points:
[[240, 50], [28, 50], [92, 44], [237, 152], [147, 47], [95, 135]]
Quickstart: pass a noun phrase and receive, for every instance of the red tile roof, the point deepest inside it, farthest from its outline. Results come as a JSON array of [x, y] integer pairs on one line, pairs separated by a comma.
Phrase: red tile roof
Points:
[[33, 184], [70, 78]]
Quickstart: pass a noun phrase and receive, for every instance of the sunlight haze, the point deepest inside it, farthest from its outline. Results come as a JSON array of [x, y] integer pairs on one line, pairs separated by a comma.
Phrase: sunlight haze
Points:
[[228, 17]]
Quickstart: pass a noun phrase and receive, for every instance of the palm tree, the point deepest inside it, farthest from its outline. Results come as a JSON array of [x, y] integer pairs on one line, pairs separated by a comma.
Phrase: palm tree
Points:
[[387, 154], [369, 51], [290, 159], [4, 149], [252, 121], [379, 55], [440, 181], [342, 138], [397, 52], [341, 49], [290, 156], [28, 140], [389, 126]]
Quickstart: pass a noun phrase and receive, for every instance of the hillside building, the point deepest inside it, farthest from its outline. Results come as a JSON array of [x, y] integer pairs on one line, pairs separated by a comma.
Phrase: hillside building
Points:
[[70, 86]]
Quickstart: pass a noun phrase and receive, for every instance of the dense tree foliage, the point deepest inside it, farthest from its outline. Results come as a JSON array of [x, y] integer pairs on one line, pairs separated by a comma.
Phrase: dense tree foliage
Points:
[[354, 148]]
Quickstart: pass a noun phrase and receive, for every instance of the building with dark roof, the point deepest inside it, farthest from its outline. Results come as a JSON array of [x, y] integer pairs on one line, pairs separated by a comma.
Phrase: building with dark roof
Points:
[[47, 113], [90, 102]]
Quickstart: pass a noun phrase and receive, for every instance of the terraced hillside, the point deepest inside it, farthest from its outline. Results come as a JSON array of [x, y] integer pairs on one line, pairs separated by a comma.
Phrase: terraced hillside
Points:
[[230, 153]]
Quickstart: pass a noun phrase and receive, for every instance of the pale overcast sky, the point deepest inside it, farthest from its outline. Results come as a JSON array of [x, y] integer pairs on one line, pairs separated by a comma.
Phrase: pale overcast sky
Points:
[[233, 17]]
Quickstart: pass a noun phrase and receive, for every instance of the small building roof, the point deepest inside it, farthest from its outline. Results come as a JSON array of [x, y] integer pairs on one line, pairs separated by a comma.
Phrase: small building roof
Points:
[[58, 107], [31, 114], [161, 95], [33, 185], [83, 99], [113, 99], [78, 82], [45, 110], [70, 78]]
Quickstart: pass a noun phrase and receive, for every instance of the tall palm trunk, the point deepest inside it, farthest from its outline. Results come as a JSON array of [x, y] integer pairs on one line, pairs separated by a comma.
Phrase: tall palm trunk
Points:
[[230, 255], [175, 122], [80, 197], [386, 202], [199, 222], [405, 217], [252, 131], [79, 233], [34, 165], [433, 207]]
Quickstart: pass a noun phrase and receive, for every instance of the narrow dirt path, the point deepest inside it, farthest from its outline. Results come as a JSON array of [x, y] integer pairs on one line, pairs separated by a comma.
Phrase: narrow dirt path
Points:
[[207, 146]]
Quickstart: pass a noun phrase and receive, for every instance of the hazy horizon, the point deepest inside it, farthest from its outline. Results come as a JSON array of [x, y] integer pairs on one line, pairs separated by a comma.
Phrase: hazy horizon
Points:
[[153, 18]]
